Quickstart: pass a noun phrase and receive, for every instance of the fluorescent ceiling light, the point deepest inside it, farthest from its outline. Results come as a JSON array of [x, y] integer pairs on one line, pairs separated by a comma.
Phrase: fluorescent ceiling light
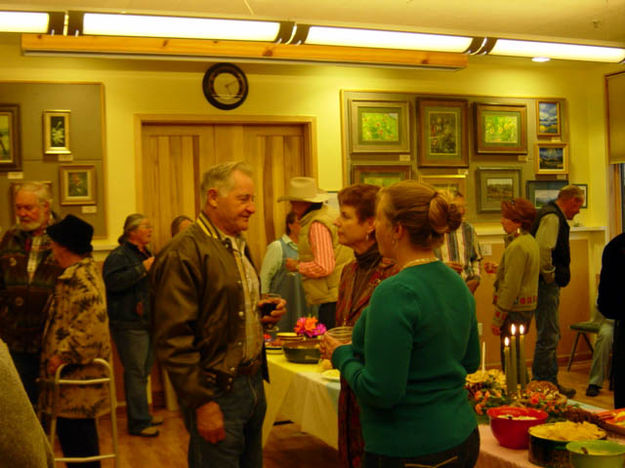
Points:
[[179, 27], [322, 35], [24, 21], [558, 51]]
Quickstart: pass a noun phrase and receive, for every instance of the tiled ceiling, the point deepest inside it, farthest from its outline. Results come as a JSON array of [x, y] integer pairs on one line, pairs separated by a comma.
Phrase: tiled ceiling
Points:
[[591, 21]]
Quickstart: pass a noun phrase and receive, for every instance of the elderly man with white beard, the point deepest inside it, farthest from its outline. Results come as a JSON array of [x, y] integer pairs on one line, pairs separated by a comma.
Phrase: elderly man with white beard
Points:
[[28, 274]]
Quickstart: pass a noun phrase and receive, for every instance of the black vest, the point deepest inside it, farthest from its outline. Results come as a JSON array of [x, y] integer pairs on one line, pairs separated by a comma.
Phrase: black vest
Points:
[[561, 254]]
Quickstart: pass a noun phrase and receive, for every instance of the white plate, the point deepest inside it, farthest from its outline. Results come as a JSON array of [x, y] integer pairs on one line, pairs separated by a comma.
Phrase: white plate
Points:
[[332, 375]]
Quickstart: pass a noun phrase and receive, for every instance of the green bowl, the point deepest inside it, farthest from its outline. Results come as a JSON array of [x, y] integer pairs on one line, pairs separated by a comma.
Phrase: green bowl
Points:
[[600, 454], [303, 352]]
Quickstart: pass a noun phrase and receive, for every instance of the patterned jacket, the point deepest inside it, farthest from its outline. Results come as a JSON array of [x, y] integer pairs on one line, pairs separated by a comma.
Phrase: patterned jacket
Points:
[[77, 330], [23, 304]]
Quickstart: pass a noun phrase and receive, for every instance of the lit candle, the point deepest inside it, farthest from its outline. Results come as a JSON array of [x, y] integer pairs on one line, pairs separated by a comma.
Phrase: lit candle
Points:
[[513, 356], [483, 357], [506, 360], [522, 369]]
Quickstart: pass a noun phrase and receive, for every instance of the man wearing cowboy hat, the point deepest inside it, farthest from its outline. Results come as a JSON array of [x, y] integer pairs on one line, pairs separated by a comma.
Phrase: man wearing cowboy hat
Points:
[[321, 257]]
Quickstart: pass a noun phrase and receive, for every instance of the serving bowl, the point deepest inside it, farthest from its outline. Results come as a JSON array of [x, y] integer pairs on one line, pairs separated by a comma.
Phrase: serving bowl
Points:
[[550, 450], [510, 424], [303, 352], [596, 454]]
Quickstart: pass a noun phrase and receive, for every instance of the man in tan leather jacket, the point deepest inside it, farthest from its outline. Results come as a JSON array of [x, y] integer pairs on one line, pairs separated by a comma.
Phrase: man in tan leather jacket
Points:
[[208, 331]]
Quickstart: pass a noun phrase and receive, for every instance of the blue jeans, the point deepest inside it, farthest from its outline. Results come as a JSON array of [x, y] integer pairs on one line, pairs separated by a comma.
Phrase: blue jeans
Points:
[[27, 365], [545, 365], [137, 356], [243, 410], [462, 456]]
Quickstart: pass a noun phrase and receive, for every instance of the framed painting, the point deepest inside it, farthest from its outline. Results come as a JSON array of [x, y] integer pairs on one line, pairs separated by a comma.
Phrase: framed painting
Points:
[[547, 118], [379, 175], [500, 128], [454, 183], [77, 184], [495, 185], [15, 186], [541, 192], [56, 132], [379, 127], [10, 149], [443, 134], [551, 158], [584, 188]]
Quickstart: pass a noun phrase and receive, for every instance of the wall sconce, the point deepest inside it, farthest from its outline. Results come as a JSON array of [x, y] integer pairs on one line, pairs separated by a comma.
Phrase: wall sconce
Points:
[[32, 22], [114, 24]]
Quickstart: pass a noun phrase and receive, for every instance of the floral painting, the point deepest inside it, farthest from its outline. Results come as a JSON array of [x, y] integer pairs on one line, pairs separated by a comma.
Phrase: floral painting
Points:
[[56, 132], [443, 135], [10, 153], [379, 126], [501, 128]]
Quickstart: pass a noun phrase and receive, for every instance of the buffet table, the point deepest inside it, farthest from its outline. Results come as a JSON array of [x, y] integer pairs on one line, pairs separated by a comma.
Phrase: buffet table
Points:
[[298, 393]]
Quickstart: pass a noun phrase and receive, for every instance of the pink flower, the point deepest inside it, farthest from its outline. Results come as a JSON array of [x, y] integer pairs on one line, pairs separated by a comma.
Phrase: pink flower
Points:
[[308, 326]]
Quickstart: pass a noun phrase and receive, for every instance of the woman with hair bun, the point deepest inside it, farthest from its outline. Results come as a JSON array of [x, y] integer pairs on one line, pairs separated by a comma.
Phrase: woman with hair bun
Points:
[[516, 284], [414, 345]]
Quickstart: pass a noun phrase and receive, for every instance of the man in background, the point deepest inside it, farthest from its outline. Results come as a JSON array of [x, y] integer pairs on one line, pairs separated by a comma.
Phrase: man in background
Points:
[[28, 274], [551, 230], [461, 250]]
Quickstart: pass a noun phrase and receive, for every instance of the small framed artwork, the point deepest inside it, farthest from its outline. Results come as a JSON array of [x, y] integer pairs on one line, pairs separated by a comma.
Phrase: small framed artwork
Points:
[[547, 118], [541, 192], [501, 129], [379, 127], [15, 186], [443, 134], [495, 185], [454, 183], [10, 149], [379, 175], [56, 132], [584, 188], [77, 185], [551, 158]]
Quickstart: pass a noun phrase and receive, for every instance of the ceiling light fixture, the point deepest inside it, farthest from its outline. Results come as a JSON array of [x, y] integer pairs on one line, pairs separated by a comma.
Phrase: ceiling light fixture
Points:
[[32, 22], [554, 50], [540, 59], [106, 24], [354, 37]]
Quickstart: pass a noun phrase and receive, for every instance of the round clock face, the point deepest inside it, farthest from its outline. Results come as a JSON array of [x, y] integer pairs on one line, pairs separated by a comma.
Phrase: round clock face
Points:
[[225, 86]]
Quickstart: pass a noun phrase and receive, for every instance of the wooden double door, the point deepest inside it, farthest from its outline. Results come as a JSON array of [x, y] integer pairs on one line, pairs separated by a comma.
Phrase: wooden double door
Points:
[[174, 156]]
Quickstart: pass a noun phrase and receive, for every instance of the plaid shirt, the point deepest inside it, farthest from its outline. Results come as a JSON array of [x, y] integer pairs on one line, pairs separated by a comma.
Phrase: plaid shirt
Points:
[[462, 246]]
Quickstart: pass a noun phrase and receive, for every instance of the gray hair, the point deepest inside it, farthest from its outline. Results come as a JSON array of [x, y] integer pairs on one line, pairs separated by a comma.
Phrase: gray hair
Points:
[[132, 222], [220, 177], [570, 191], [41, 190]]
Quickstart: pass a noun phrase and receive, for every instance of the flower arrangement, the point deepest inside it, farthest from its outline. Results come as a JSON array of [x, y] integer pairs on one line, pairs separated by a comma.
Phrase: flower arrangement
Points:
[[486, 389], [309, 327]]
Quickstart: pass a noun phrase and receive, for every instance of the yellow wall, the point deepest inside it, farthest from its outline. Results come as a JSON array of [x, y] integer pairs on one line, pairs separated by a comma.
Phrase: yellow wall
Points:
[[158, 87]]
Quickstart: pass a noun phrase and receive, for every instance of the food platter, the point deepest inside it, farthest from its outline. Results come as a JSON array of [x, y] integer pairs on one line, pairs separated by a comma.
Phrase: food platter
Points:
[[331, 374], [613, 420]]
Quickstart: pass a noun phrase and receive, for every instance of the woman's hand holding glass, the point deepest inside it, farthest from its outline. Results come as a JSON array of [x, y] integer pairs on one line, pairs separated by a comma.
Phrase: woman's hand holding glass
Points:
[[329, 344]]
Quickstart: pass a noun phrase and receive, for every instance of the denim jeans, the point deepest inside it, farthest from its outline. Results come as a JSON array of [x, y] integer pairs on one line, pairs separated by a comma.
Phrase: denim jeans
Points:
[[243, 410], [545, 365], [137, 356], [462, 456], [27, 365]]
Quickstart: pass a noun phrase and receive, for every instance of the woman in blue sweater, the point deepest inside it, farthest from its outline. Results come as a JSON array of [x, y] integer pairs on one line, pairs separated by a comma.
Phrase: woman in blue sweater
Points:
[[414, 345]]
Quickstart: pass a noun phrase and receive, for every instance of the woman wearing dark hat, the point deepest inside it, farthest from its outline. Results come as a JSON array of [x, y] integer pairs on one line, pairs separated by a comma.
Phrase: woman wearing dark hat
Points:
[[321, 256], [128, 301], [516, 285], [76, 333]]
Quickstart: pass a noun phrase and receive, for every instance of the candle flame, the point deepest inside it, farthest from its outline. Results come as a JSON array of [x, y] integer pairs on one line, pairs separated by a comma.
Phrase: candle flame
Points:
[[513, 329], [521, 329], [506, 341]]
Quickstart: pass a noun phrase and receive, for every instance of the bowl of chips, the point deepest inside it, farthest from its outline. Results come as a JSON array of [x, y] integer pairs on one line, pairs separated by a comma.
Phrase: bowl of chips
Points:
[[548, 441]]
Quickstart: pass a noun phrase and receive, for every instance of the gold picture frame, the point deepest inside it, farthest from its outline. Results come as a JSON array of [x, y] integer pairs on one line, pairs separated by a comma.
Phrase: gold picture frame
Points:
[[551, 158], [453, 183], [56, 132], [77, 185]]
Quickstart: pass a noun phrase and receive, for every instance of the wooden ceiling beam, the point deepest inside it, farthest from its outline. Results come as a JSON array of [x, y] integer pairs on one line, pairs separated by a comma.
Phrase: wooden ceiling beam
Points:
[[147, 46]]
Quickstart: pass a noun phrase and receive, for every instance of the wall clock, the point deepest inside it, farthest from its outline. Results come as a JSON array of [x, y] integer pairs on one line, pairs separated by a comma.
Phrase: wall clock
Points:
[[225, 86]]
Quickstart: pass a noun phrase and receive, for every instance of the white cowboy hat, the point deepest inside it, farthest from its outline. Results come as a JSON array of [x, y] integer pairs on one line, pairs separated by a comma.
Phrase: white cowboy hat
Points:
[[304, 189]]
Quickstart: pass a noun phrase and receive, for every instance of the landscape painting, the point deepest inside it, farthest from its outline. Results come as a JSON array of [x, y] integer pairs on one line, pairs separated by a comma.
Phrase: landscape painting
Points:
[[548, 114]]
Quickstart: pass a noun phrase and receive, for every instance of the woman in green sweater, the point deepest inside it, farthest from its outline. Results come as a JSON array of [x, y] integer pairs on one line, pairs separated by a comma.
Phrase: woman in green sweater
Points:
[[414, 345], [516, 285]]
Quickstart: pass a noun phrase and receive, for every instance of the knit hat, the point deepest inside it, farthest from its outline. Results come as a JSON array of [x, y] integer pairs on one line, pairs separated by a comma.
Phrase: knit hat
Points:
[[72, 233], [304, 189]]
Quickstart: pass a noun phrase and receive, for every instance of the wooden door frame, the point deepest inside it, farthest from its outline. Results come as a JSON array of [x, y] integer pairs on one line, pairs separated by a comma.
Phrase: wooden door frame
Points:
[[309, 124]]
